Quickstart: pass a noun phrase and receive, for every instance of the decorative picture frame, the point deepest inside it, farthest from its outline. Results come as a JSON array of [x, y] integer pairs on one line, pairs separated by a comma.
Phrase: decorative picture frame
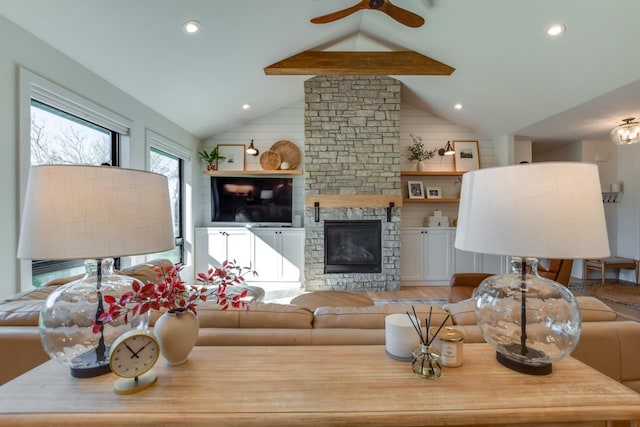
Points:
[[434, 193], [416, 189], [467, 156], [234, 157]]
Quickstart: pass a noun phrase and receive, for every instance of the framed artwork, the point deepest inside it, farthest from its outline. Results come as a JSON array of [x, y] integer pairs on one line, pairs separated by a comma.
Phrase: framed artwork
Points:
[[416, 190], [434, 193], [467, 156], [233, 157]]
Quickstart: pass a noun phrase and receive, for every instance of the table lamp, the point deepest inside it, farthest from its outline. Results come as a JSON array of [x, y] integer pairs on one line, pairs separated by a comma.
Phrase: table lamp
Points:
[[530, 211], [94, 213]]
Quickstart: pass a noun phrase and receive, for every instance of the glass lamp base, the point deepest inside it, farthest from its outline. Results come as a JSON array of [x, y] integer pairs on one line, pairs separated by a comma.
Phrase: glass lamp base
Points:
[[523, 368]]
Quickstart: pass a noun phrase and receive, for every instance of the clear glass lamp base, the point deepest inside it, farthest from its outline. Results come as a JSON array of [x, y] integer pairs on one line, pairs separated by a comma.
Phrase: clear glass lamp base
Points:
[[69, 313], [530, 321]]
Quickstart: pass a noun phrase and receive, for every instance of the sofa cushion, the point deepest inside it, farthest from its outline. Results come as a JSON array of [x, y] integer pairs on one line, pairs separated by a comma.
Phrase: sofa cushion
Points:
[[23, 309], [373, 317], [259, 315], [145, 272], [591, 310]]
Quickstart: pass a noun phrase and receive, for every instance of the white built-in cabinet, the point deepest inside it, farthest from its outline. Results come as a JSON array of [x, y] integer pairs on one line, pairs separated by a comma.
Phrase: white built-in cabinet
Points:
[[277, 254], [428, 257]]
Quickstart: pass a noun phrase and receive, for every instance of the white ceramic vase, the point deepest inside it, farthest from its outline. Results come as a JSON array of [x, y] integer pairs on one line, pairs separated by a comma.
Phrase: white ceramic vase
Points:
[[177, 334], [420, 165]]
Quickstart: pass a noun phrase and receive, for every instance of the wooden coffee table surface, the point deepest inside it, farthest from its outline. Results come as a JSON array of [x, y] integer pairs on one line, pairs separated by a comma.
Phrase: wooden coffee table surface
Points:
[[319, 385]]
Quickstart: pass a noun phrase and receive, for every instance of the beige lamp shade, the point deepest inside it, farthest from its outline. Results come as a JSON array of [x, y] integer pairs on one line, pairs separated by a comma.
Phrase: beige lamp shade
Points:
[[95, 212], [545, 210]]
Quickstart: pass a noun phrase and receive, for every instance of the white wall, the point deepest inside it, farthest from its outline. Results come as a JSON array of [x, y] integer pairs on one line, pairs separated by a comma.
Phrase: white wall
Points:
[[284, 124], [628, 232], [19, 48], [435, 132]]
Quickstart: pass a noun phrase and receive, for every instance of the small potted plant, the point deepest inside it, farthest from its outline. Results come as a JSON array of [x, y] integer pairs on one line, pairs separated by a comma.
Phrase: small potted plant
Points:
[[417, 151], [211, 158]]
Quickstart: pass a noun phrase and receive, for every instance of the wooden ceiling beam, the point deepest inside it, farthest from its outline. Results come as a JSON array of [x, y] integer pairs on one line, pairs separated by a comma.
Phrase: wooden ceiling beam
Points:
[[333, 63]]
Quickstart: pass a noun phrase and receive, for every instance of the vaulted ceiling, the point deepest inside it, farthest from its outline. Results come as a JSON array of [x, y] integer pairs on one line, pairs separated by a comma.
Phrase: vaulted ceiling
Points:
[[510, 76]]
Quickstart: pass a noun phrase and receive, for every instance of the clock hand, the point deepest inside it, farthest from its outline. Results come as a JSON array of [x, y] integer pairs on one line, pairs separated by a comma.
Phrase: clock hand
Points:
[[142, 348], [133, 353]]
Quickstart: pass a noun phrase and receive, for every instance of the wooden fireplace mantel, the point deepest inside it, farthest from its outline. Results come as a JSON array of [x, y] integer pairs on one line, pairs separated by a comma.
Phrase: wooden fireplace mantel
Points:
[[354, 200]]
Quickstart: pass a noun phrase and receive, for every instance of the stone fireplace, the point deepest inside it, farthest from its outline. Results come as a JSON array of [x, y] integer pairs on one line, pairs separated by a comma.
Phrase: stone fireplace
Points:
[[352, 132]]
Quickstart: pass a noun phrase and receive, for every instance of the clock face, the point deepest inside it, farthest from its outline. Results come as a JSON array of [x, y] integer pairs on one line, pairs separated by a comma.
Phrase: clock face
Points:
[[133, 354]]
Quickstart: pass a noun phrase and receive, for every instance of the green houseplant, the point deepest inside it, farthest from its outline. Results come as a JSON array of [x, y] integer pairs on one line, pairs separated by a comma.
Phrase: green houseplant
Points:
[[417, 151], [211, 158]]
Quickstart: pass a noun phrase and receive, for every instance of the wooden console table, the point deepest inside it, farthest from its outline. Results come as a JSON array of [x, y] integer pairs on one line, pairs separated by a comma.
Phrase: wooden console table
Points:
[[613, 262], [319, 385]]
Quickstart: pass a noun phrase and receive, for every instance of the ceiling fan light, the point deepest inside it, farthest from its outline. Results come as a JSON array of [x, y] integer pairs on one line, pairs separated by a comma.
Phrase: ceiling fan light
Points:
[[626, 133]]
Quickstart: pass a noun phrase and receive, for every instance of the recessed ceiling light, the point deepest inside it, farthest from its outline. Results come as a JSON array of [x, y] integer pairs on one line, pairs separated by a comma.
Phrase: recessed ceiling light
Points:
[[191, 27], [556, 29], [458, 106], [246, 106]]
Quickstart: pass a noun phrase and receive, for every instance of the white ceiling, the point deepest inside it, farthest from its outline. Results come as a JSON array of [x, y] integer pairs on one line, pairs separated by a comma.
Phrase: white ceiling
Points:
[[510, 75]]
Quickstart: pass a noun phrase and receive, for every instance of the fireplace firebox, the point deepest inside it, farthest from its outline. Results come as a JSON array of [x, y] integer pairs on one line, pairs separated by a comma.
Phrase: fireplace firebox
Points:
[[353, 246]]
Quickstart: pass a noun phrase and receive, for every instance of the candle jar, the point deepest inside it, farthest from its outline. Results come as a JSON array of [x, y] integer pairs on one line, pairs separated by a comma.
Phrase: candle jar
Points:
[[448, 344], [425, 362]]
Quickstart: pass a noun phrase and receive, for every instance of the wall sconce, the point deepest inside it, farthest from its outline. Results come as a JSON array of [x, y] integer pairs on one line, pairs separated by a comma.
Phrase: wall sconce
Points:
[[447, 150], [252, 150], [626, 133]]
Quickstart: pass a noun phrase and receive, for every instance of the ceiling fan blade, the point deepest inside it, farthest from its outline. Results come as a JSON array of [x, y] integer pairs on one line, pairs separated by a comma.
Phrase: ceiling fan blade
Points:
[[324, 19], [401, 15]]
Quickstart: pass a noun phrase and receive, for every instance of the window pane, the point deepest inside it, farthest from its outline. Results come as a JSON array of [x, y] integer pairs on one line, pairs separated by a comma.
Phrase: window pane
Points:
[[171, 167], [60, 138]]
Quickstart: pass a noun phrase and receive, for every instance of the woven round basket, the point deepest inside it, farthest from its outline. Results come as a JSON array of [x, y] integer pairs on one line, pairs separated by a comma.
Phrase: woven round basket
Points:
[[288, 151], [270, 160]]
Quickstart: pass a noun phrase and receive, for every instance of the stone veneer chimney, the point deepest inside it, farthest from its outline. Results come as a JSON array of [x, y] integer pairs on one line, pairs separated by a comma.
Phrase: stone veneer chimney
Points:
[[352, 139]]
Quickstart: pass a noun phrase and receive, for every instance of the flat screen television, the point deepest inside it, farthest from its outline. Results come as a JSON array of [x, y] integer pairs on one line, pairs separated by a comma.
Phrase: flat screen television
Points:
[[251, 200]]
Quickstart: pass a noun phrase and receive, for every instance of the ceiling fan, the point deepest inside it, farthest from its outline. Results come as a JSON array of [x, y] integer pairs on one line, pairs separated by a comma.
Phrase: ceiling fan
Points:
[[401, 15]]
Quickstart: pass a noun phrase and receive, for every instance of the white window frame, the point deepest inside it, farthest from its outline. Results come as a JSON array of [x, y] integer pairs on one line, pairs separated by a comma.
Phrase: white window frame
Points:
[[33, 86], [162, 143]]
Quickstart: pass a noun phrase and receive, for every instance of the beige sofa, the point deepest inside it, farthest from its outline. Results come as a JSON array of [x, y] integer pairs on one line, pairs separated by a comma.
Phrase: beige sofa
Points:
[[608, 345]]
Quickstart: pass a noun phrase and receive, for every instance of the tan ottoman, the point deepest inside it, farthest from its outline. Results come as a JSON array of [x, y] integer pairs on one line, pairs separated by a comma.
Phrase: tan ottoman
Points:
[[313, 300]]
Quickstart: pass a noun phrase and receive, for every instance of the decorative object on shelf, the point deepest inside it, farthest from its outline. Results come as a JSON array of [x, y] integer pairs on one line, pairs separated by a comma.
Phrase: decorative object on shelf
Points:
[[626, 133], [270, 160], [434, 193], [424, 361], [616, 187], [211, 158], [467, 156], [285, 165], [437, 220], [416, 190], [132, 356], [231, 157], [251, 150], [418, 152], [447, 150], [177, 328], [95, 212], [288, 151], [550, 210]]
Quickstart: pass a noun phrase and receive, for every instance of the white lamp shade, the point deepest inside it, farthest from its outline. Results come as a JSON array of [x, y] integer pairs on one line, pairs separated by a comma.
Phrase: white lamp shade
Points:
[[95, 212], [546, 210]]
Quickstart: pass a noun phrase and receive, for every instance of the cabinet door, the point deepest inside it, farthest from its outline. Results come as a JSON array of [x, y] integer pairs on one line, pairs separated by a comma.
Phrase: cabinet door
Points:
[[438, 255], [292, 250], [238, 246], [411, 254], [266, 255]]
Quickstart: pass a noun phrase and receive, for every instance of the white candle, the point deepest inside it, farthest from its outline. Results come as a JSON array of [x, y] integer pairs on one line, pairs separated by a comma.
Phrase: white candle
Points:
[[400, 336]]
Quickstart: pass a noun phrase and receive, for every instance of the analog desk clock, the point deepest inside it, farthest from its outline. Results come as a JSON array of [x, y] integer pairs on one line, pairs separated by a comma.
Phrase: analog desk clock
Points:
[[131, 357]]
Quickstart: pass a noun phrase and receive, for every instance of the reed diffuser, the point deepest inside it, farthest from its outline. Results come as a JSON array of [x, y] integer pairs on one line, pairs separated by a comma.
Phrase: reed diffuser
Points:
[[426, 362]]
